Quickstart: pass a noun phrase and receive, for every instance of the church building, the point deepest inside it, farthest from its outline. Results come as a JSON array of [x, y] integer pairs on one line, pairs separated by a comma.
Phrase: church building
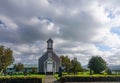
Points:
[[49, 63]]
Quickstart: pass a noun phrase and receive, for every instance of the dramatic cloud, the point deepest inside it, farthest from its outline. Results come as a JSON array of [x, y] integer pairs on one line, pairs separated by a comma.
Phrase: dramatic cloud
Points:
[[80, 28]]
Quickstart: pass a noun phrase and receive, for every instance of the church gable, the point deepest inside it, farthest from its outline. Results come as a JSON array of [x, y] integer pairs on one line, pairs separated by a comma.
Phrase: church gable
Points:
[[51, 55]]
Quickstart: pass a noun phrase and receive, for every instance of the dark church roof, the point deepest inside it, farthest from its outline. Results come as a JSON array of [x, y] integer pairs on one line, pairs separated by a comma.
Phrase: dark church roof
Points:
[[49, 40]]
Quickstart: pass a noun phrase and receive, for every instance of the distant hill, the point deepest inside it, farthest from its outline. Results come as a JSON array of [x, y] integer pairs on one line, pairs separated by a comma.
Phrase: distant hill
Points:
[[85, 67], [26, 65], [112, 67]]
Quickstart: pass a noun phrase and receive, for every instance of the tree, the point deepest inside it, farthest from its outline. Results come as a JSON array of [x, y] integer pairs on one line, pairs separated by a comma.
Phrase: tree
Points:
[[97, 64], [109, 72], [72, 66], [34, 70], [18, 67], [65, 63], [6, 58], [76, 66]]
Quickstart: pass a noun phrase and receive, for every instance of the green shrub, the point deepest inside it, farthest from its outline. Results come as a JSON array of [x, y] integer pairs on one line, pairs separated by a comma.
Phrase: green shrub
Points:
[[90, 79], [20, 79]]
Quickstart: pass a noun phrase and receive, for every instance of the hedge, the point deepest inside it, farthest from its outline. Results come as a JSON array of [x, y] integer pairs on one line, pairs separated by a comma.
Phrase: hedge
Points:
[[91, 79], [20, 80]]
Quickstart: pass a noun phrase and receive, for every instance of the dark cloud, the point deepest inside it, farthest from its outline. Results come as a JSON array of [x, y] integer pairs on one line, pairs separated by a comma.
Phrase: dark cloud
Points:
[[72, 27]]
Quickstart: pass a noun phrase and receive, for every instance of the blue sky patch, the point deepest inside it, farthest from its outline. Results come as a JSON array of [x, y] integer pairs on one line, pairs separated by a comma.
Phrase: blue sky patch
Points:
[[103, 47], [110, 13], [115, 30]]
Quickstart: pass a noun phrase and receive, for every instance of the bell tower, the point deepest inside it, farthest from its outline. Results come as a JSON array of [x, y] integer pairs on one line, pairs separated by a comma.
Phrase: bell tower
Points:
[[49, 44]]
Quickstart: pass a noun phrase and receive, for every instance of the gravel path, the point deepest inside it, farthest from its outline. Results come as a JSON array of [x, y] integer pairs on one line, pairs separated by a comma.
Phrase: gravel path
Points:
[[50, 79]]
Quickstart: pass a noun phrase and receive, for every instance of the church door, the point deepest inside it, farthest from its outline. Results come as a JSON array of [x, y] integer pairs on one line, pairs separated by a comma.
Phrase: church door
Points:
[[49, 66]]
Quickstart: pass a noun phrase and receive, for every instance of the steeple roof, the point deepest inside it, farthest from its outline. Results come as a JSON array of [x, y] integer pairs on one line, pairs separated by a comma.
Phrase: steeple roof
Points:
[[49, 40]]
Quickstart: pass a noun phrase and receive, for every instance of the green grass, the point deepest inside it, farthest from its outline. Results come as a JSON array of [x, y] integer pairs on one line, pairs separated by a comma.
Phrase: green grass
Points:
[[56, 76], [83, 74]]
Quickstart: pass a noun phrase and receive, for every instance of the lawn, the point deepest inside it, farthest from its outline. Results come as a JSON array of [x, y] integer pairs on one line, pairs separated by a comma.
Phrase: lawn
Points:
[[83, 74], [86, 77]]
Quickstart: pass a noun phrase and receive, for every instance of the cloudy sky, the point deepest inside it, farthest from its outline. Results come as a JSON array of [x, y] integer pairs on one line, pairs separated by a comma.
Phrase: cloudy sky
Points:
[[79, 28]]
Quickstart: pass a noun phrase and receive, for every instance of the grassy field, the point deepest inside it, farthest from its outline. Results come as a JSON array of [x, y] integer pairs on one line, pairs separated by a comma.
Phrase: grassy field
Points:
[[83, 74]]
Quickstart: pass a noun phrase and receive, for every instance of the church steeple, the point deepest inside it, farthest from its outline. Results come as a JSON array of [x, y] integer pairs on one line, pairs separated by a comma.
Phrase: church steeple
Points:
[[49, 44]]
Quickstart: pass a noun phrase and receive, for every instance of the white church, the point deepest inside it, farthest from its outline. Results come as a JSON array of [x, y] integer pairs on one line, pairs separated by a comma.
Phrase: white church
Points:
[[49, 62]]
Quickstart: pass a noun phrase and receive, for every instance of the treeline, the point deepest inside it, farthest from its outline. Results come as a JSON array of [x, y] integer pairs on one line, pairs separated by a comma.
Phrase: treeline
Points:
[[71, 66], [96, 65], [21, 69]]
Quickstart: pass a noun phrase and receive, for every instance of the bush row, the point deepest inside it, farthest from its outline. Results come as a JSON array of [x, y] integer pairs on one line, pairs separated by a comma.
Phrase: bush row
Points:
[[20, 80], [91, 79]]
